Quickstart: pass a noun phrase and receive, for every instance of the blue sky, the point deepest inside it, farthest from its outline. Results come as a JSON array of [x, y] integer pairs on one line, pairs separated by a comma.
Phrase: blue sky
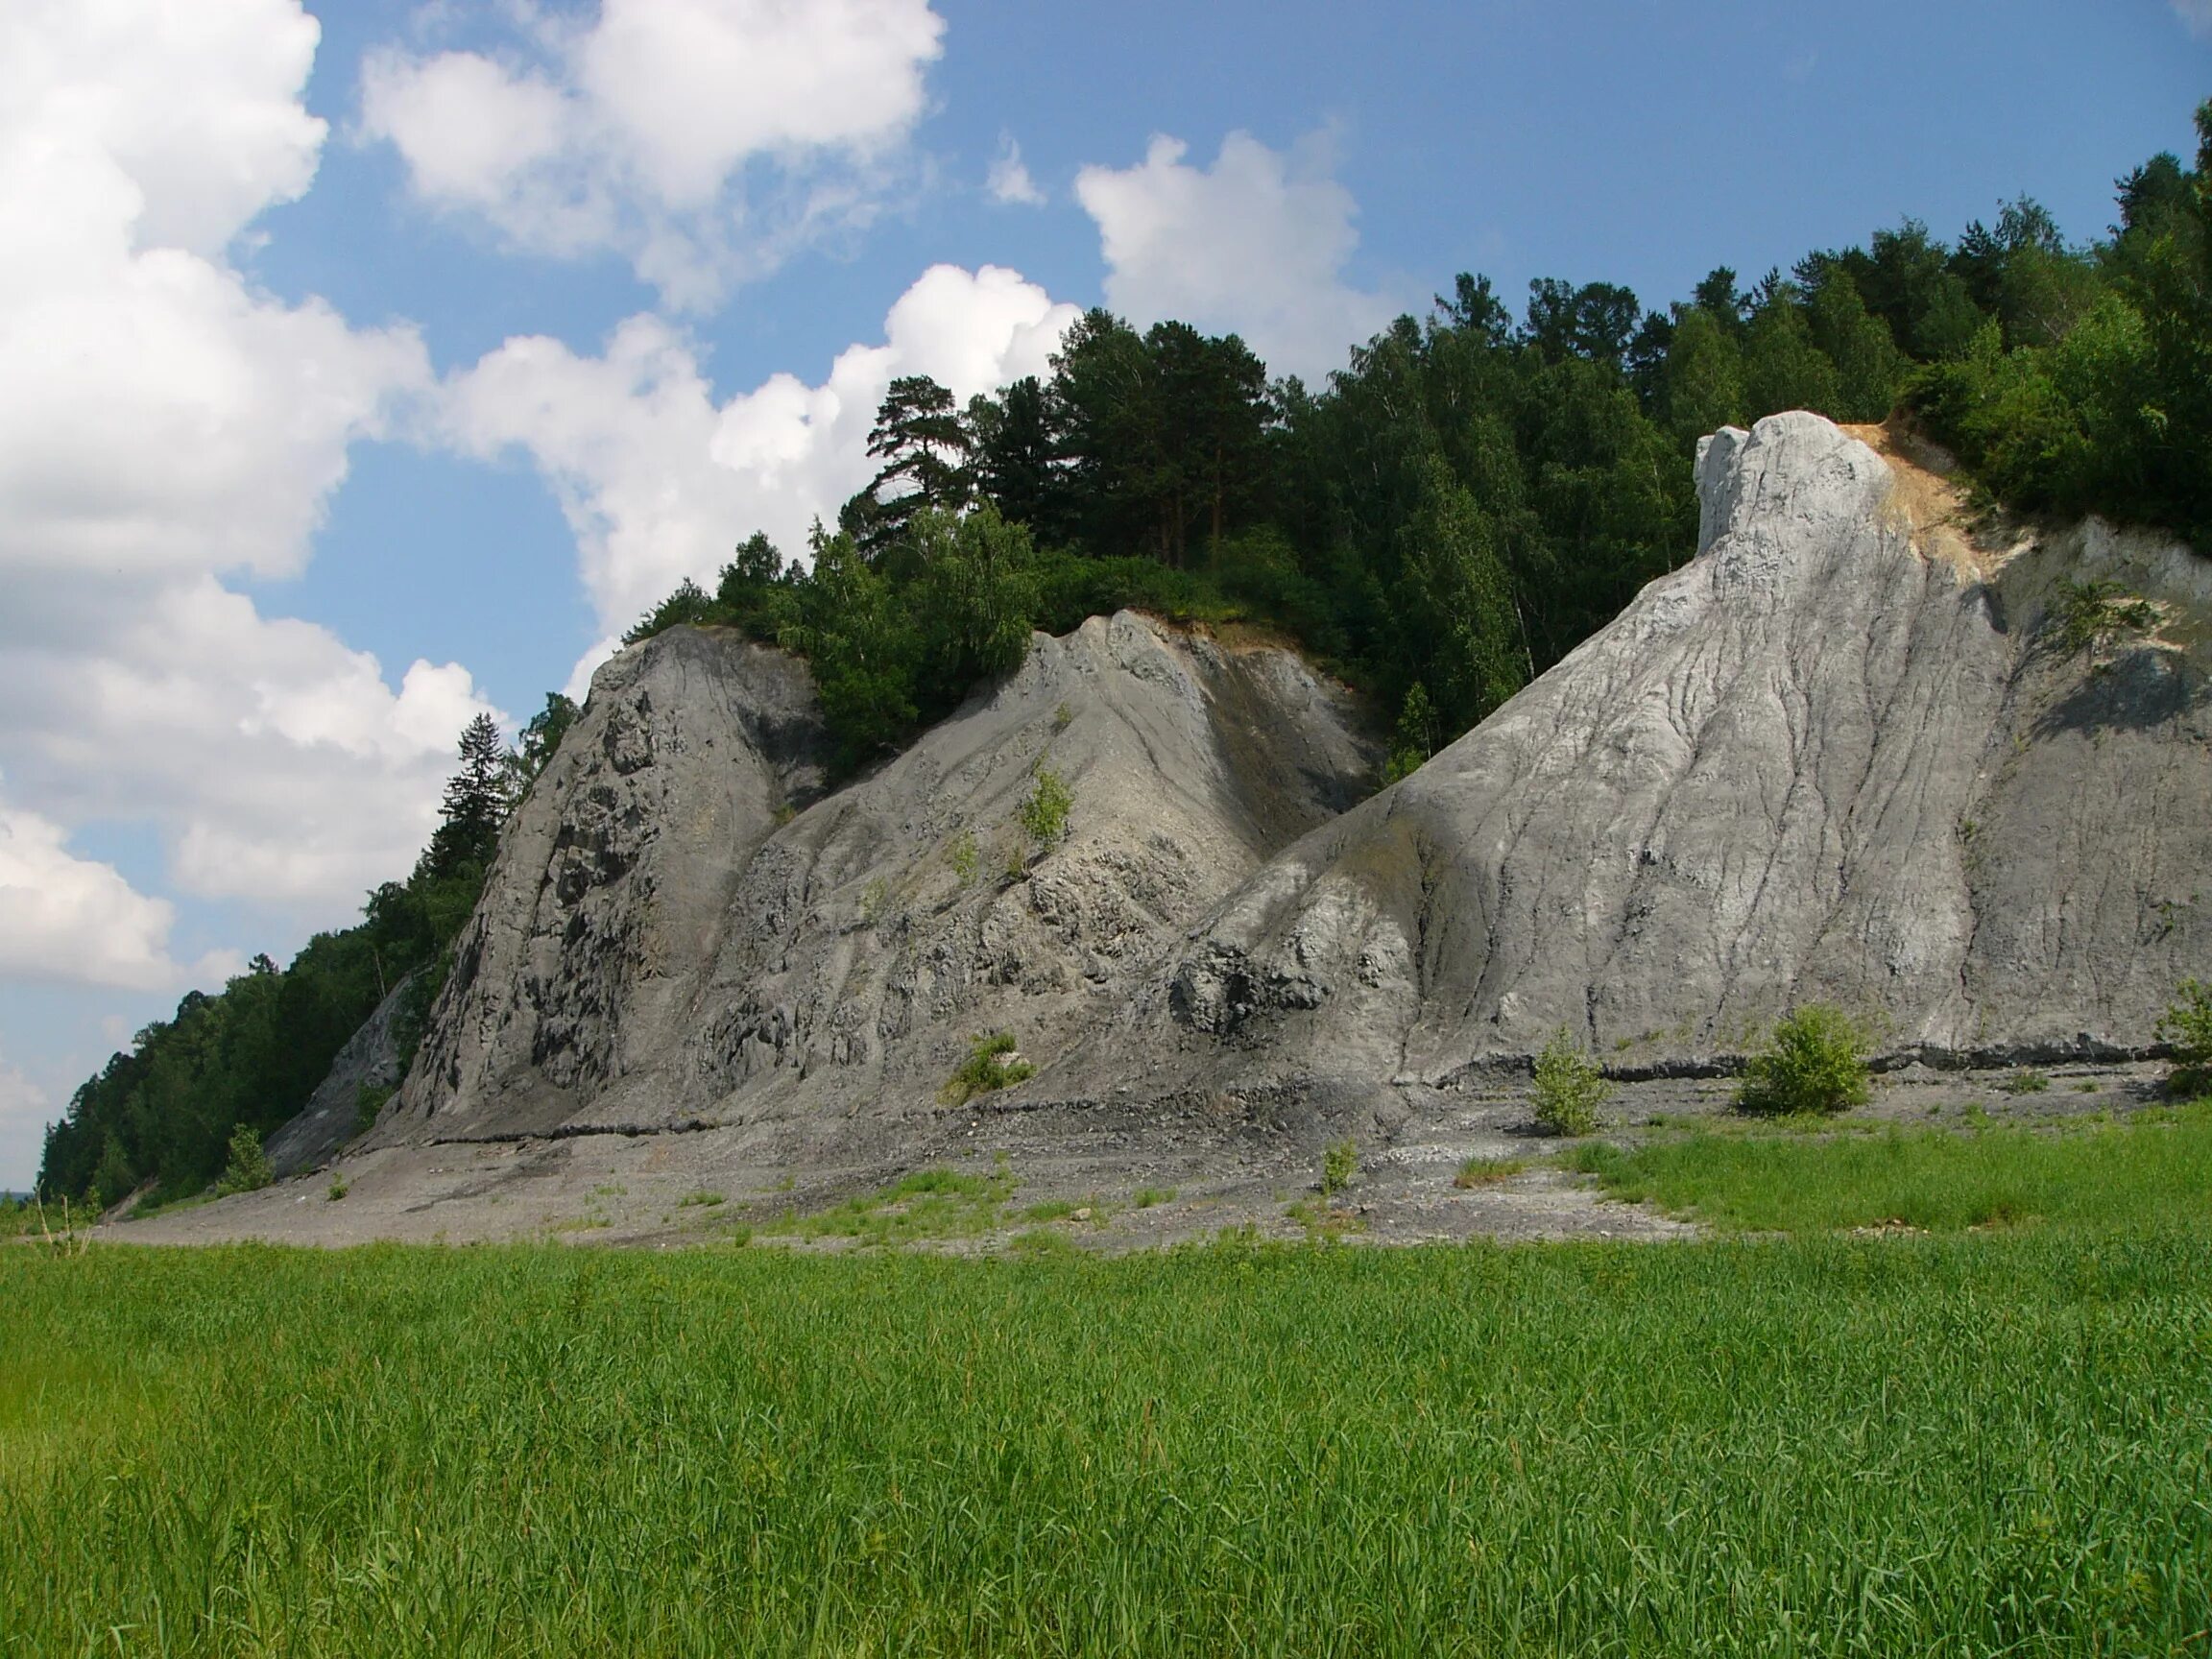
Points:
[[366, 366]]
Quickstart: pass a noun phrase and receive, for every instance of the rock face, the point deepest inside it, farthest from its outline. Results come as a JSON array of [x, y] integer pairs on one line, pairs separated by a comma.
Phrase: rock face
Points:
[[332, 1114], [1841, 755], [681, 930], [611, 895]]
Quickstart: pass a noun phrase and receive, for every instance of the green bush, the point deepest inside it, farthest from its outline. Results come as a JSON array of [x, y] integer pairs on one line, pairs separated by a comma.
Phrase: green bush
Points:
[[1816, 1063], [1044, 813], [986, 1068], [1569, 1087], [248, 1166], [2089, 615], [2188, 1026], [1338, 1165]]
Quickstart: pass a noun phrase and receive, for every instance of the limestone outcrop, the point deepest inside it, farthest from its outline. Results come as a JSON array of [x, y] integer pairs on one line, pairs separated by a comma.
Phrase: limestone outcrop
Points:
[[1844, 754], [611, 895], [682, 929]]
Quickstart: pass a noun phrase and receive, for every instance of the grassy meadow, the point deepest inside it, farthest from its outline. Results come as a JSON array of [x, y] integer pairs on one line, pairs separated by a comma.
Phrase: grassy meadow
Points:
[[1973, 1443]]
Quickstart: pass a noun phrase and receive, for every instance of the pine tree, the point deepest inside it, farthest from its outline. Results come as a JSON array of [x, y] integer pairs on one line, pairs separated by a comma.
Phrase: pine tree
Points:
[[475, 804]]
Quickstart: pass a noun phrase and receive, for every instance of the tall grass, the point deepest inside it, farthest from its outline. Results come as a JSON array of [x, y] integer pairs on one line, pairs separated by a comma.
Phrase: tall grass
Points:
[[2154, 1171], [1966, 1446]]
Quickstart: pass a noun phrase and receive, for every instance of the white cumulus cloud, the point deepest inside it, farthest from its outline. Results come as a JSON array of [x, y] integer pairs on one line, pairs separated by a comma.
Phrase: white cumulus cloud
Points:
[[62, 917], [660, 481], [1256, 244], [25, 1110], [701, 141], [164, 422], [1008, 181], [2196, 14]]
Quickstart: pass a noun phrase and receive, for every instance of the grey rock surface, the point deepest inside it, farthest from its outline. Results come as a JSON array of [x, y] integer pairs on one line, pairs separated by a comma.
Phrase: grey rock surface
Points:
[[611, 894], [678, 931], [332, 1114], [1840, 755]]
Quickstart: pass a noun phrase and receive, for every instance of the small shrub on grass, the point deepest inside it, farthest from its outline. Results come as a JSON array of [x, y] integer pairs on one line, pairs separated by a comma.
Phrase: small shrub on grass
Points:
[[1569, 1088], [700, 1199], [248, 1166], [2028, 1082], [1338, 1165], [991, 1063], [1144, 1198], [1816, 1063], [339, 1187], [2188, 1026]]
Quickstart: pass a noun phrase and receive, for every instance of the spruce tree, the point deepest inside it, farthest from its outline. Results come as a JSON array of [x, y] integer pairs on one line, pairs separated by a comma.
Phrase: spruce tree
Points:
[[475, 804]]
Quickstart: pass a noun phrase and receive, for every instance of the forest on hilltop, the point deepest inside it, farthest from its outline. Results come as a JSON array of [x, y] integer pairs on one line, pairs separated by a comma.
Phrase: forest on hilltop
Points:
[[1454, 511]]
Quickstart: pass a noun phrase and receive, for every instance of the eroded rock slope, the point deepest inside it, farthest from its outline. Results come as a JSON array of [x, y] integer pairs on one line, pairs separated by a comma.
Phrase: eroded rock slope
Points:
[[681, 930], [1842, 753], [608, 900]]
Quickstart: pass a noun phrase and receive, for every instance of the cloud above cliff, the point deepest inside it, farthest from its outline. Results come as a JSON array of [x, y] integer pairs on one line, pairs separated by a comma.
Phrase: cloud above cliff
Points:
[[2196, 14], [702, 141], [1256, 243], [167, 425], [659, 480]]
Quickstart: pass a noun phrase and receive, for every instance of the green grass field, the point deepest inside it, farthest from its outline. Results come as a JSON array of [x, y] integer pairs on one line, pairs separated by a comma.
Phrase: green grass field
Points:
[[1972, 1444], [2152, 1170]]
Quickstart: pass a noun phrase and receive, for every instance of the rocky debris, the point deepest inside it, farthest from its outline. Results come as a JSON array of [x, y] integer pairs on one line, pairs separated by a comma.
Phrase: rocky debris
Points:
[[332, 1114], [1838, 755]]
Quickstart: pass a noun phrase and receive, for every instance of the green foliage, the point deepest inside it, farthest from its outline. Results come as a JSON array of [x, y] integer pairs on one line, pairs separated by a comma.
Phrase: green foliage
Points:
[[248, 1169], [1569, 1088], [1415, 738], [992, 1062], [1815, 1063], [960, 853], [2027, 1081], [1340, 1164], [541, 740], [2187, 1026], [2087, 615], [687, 605], [863, 646], [338, 1189], [1044, 810]]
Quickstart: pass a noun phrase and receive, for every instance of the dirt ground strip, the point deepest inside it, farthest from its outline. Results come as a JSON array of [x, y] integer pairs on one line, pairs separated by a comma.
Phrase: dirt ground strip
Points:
[[1129, 1179]]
